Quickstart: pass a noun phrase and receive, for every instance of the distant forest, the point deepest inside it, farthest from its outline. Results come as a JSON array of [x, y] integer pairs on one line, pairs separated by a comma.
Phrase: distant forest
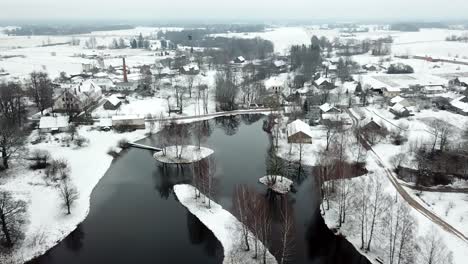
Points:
[[29, 30], [416, 26], [250, 48]]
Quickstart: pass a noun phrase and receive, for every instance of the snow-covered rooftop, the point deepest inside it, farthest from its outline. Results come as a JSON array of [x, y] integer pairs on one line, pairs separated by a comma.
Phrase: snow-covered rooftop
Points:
[[396, 99], [399, 108], [105, 122], [273, 82], [113, 99], [321, 80], [299, 126], [53, 122], [457, 103], [326, 107]]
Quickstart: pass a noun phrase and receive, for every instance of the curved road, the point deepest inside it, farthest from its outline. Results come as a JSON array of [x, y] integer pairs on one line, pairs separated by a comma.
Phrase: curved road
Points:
[[416, 205]]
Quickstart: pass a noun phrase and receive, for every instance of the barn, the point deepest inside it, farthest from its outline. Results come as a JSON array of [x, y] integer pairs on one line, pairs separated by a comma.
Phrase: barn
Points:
[[299, 132]]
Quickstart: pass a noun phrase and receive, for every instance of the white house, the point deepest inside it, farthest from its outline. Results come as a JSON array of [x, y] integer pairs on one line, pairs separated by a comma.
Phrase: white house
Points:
[[274, 85], [433, 89], [53, 124], [106, 84], [239, 59], [327, 108], [78, 97]]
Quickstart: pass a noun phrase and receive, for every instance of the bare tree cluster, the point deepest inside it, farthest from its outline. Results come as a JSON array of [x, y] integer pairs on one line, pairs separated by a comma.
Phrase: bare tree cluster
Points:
[[11, 218]]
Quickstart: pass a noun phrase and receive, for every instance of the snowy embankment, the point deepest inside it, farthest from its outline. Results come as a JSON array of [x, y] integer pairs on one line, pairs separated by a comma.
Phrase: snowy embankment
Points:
[[223, 224], [281, 184], [46, 220], [187, 154]]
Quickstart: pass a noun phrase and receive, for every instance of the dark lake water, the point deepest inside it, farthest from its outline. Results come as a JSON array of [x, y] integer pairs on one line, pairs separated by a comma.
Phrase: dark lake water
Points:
[[136, 218]]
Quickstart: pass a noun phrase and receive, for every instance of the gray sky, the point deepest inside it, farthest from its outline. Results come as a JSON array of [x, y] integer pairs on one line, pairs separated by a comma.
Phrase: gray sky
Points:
[[234, 9]]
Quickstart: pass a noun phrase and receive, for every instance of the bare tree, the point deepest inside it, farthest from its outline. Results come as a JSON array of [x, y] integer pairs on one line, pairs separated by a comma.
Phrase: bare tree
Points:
[[434, 250], [332, 129], [41, 91], [435, 127], [265, 225], [68, 193], [40, 158], [287, 233], [11, 102], [11, 139], [241, 199], [362, 206], [190, 80], [398, 160], [401, 228], [226, 90], [72, 131], [446, 133], [11, 216], [377, 205]]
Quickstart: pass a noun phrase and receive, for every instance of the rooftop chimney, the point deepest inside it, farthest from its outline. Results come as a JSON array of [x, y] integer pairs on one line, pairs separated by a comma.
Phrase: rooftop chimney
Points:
[[124, 71]]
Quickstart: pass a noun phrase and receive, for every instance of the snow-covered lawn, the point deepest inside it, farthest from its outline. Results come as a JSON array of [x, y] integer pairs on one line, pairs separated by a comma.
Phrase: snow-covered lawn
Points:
[[310, 151], [452, 207], [190, 154], [281, 185], [223, 224], [47, 222]]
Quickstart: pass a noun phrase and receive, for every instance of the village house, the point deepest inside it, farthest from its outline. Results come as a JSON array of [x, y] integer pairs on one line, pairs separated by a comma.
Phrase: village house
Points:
[[191, 69], [324, 83], [274, 85], [400, 110], [280, 65], [78, 97], [112, 103], [391, 91], [369, 124], [400, 100], [459, 81], [53, 124], [87, 67], [459, 105], [428, 90], [239, 59], [326, 108], [125, 86], [106, 84], [299, 132]]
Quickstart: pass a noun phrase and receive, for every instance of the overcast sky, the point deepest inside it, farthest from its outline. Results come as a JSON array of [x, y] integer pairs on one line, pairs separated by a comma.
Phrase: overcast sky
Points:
[[235, 9]]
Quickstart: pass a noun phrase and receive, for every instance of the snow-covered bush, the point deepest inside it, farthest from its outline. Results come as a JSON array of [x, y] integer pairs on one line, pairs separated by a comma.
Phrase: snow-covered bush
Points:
[[123, 143], [40, 158], [81, 141], [58, 169]]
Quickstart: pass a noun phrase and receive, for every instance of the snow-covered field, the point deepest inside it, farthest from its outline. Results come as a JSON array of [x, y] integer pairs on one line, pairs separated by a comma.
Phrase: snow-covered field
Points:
[[223, 224], [47, 222], [450, 206]]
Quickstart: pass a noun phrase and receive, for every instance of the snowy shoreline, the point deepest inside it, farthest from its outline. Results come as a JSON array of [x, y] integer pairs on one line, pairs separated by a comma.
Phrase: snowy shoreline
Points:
[[189, 154], [282, 184], [48, 224], [223, 224]]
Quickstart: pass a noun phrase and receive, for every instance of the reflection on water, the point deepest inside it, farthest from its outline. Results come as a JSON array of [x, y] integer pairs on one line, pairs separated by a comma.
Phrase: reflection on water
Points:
[[136, 218]]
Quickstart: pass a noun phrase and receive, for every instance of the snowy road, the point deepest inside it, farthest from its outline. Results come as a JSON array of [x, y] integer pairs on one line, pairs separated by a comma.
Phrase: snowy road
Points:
[[403, 193]]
